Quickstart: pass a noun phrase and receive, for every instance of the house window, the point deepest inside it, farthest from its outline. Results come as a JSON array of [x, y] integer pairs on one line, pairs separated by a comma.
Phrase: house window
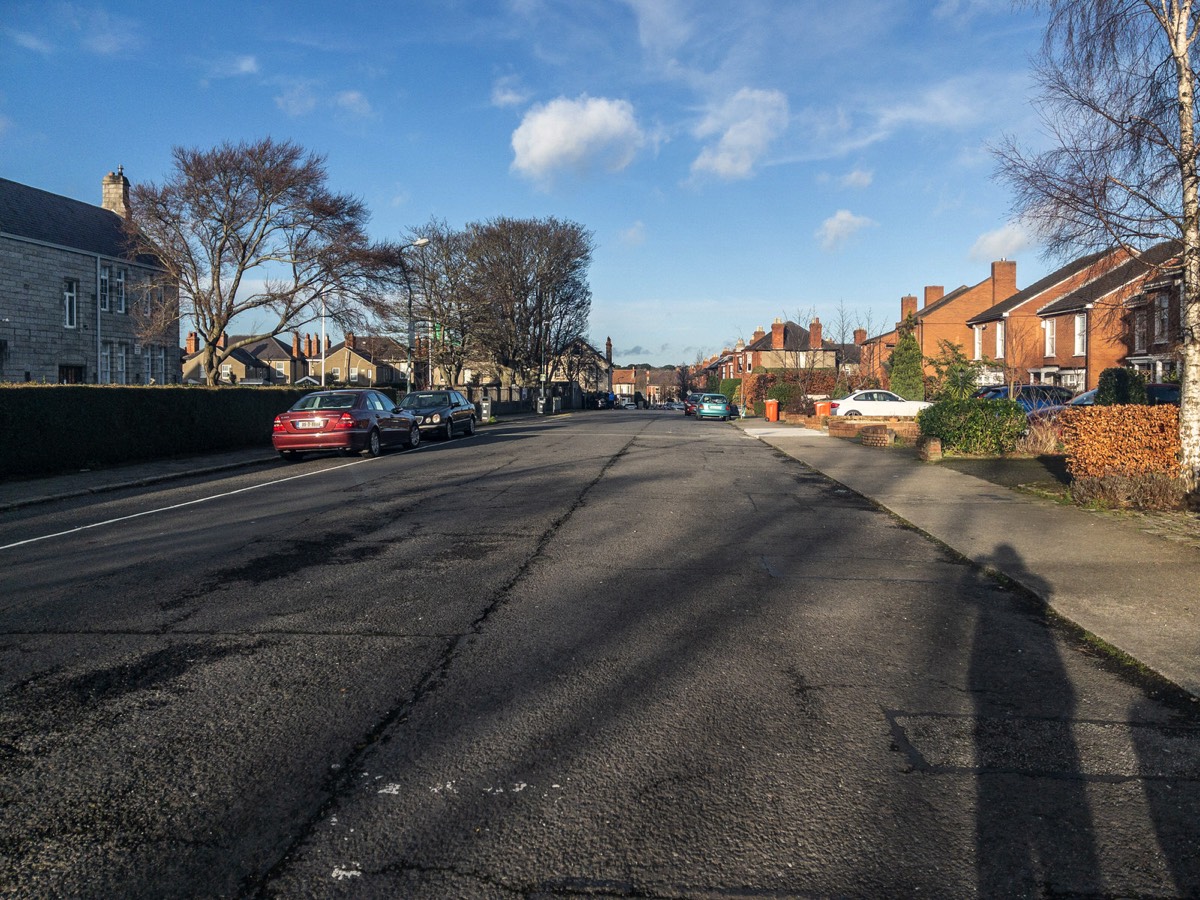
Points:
[[1048, 327], [978, 342], [281, 369], [1140, 320], [105, 279], [121, 290], [1000, 339], [1080, 334], [105, 363], [1161, 317], [120, 373], [354, 375], [226, 371], [335, 373], [70, 303]]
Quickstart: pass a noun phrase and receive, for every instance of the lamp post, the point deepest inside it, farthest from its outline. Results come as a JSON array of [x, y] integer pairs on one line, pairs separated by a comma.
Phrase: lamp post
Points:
[[412, 331]]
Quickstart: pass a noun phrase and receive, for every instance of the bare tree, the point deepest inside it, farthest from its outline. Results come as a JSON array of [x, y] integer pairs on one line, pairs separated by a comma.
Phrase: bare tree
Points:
[[252, 228], [529, 279], [1117, 80]]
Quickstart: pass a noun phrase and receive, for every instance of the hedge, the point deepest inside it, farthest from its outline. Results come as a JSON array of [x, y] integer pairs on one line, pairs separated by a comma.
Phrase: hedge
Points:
[[984, 427], [46, 429], [1123, 440]]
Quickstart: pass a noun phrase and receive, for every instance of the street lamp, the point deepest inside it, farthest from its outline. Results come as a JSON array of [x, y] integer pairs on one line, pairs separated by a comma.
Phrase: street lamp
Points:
[[412, 332]]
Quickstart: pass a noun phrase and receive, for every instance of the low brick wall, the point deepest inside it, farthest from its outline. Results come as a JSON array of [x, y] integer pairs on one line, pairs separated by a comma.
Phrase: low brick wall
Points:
[[905, 430]]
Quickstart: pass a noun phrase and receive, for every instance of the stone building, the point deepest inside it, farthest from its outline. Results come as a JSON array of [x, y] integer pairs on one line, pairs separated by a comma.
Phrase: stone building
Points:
[[74, 305]]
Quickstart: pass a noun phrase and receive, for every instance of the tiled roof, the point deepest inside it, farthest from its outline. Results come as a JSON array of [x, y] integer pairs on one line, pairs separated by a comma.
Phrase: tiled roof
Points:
[[1126, 273], [795, 337], [41, 216], [1071, 269]]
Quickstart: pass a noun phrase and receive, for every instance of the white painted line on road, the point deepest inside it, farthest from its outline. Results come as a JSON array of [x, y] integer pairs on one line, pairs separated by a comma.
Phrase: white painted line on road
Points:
[[151, 512]]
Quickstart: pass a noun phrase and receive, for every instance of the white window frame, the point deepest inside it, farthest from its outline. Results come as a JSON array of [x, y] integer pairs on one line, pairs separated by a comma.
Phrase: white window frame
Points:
[[105, 281], [281, 368], [1048, 326], [121, 276], [1081, 334], [122, 371], [1000, 335], [1140, 321], [70, 303], [105, 373], [978, 342], [335, 372], [354, 375]]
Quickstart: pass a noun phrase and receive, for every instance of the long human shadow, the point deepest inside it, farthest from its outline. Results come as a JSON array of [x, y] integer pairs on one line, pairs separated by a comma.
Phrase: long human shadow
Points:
[[1034, 829]]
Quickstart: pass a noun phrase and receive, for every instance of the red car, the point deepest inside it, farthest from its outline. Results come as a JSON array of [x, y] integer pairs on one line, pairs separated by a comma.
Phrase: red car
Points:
[[689, 404], [350, 421]]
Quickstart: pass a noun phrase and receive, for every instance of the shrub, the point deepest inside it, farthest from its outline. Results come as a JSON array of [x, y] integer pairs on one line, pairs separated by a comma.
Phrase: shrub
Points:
[[1151, 490], [1120, 386], [1121, 440], [1042, 439], [983, 427]]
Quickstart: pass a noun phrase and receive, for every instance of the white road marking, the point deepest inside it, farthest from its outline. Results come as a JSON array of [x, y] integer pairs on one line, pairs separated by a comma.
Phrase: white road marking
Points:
[[163, 509]]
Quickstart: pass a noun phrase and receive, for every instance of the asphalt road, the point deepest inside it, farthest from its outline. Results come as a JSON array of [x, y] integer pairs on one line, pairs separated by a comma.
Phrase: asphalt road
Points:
[[611, 654]]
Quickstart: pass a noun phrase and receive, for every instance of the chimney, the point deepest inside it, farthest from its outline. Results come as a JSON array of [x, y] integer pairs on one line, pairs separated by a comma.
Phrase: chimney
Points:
[[608, 351], [759, 334], [860, 336], [933, 293], [1004, 279], [221, 341], [814, 334], [777, 335], [349, 341], [295, 345], [908, 307], [193, 345], [328, 344], [114, 193]]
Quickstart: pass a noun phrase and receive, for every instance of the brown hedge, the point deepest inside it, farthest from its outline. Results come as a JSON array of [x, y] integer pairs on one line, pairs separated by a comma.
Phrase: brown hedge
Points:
[[1121, 440]]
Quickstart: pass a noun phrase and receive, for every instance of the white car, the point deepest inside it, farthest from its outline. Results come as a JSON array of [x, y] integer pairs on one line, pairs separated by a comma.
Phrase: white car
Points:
[[875, 402]]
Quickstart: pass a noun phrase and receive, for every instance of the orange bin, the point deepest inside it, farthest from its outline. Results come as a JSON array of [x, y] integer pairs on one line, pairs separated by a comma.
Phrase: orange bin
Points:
[[824, 407], [772, 410]]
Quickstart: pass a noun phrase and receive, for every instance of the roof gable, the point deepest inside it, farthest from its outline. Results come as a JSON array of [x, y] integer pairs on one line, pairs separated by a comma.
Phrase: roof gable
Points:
[[1126, 273], [1071, 269]]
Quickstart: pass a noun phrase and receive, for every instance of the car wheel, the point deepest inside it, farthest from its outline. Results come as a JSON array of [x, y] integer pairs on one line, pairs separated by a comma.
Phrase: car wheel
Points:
[[414, 438], [852, 412], [374, 444], [470, 426], [449, 433]]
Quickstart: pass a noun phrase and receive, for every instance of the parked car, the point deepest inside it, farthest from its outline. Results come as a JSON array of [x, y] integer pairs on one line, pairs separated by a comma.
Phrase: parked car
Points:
[[441, 412], [715, 406], [1162, 392], [875, 402], [1050, 413], [689, 404], [673, 404], [1028, 396], [347, 420], [627, 404]]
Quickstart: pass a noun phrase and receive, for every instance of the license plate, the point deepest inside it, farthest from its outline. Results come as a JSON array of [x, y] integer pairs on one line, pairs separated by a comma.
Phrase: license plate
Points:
[[310, 423]]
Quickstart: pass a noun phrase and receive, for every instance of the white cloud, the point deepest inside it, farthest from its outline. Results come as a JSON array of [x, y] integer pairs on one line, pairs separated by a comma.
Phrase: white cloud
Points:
[[576, 134], [840, 227], [507, 91], [858, 178], [747, 124], [662, 24], [354, 103], [297, 100], [108, 35], [1003, 243], [236, 67], [634, 235], [30, 42]]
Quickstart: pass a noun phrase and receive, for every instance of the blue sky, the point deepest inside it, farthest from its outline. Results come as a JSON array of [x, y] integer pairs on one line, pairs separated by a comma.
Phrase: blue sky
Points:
[[736, 161]]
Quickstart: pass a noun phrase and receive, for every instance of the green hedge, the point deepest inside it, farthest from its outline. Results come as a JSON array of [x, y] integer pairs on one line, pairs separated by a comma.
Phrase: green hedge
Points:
[[984, 427], [46, 429]]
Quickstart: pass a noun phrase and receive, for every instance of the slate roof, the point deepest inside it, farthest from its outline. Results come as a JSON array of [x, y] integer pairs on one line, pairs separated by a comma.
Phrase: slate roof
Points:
[[1126, 273], [39, 215], [795, 337], [995, 313]]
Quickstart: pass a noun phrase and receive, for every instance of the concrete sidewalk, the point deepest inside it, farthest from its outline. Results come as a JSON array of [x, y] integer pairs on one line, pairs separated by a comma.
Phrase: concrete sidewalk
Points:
[[1135, 591]]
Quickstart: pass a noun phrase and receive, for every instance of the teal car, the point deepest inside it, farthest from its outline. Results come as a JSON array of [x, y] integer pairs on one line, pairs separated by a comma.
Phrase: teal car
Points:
[[716, 406]]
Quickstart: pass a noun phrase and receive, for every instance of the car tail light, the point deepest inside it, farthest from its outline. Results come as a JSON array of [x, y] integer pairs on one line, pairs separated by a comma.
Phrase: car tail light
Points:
[[344, 422], [833, 406], [277, 425]]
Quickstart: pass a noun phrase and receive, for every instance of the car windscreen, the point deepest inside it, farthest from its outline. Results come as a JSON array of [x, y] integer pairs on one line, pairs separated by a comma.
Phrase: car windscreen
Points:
[[325, 401], [424, 401]]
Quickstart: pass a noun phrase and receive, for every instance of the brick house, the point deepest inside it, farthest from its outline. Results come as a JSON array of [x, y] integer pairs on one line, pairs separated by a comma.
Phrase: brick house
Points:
[[942, 317], [1153, 325], [787, 346], [365, 362], [1089, 329], [627, 383], [75, 306]]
